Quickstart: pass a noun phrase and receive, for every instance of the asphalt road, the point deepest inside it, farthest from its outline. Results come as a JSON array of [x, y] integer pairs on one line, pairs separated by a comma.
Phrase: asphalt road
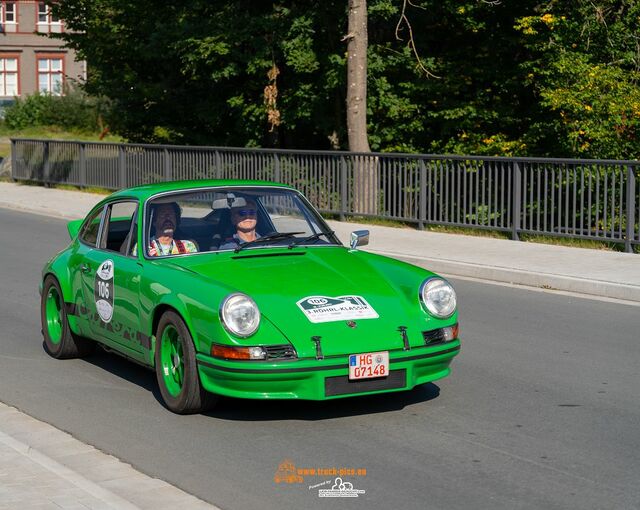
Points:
[[541, 410]]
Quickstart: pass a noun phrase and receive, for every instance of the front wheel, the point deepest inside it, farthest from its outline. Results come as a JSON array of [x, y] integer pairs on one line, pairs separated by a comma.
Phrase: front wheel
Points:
[[60, 342], [176, 370]]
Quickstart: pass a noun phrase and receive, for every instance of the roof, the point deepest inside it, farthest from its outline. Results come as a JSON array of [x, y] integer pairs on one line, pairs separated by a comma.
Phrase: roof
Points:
[[147, 190]]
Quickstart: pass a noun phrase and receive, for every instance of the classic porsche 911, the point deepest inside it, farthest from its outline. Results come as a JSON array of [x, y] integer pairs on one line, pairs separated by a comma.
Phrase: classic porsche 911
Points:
[[240, 288]]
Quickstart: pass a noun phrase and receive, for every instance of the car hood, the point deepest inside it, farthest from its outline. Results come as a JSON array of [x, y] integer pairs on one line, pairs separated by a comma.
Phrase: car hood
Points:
[[345, 297]]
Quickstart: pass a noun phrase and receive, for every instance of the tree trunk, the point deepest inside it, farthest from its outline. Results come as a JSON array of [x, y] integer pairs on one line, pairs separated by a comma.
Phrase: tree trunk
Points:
[[357, 77], [365, 176]]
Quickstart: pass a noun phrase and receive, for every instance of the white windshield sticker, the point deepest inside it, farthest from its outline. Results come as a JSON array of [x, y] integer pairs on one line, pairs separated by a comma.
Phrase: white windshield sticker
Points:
[[103, 290], [330, 309]]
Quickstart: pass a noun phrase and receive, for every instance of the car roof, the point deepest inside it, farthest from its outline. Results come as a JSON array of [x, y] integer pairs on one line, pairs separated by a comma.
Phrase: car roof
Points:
[[147, 190]]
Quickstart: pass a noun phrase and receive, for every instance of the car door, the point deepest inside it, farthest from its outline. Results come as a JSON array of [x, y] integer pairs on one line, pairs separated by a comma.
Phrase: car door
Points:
[[111, 280]]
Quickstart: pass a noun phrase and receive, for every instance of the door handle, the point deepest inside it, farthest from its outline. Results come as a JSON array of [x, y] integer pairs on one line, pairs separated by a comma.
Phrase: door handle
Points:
[[85, 268]]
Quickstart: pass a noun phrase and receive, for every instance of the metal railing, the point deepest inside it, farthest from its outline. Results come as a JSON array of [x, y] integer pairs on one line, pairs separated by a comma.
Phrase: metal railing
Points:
[[587, 199]]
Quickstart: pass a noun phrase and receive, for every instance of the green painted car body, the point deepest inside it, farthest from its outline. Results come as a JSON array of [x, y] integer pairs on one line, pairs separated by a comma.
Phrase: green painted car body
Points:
[[306, 360]]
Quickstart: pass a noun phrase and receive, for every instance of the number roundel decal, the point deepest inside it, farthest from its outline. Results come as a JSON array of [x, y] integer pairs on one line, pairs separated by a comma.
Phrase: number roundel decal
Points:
[[103, 290]]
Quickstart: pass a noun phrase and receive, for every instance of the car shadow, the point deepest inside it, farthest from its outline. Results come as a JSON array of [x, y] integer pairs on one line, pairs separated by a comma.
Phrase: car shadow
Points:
[[239, 409], [236, 409], [125, 369]]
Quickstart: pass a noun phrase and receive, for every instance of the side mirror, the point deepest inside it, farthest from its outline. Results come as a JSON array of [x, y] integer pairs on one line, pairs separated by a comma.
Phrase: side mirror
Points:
[[359, 238]]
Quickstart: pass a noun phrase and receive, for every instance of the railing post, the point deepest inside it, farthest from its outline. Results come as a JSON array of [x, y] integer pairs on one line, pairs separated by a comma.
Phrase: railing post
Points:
[[276, 167], [218, 165], [83, 166], [14, 161], [122, 168], [631, 209], [422, 197], [167, 165], [517, 201], [46, 170], [343, 188]]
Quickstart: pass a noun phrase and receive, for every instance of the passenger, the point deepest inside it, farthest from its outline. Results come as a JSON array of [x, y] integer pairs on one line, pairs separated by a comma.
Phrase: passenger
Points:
[[244, 219], [166, 218]]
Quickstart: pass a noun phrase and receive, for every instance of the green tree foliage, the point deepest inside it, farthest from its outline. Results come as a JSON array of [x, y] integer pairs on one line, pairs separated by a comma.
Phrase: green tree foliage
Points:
[[556, 78], [477, 103], [585, 72], [197, 72]]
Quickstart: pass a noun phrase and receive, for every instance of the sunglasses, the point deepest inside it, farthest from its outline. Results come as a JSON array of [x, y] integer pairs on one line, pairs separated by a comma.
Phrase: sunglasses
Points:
[[245, 212]]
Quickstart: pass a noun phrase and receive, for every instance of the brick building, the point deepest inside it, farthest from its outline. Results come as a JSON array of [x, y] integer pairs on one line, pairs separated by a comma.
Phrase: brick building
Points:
[[30, 61]]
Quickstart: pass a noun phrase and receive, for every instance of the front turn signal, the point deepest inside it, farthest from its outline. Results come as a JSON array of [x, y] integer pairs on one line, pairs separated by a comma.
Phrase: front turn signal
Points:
[[244, 353]]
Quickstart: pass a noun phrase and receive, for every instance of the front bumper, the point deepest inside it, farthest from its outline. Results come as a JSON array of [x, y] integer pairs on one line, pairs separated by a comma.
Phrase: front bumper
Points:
[[311, 379]]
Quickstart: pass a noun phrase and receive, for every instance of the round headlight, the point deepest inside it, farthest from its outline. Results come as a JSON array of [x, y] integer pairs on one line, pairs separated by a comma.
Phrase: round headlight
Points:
[[439, 297], [240, 315]]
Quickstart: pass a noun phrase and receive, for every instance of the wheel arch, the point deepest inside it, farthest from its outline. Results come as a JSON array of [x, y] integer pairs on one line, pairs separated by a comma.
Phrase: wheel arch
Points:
[[157, 314], [179, 309], [62, 274], [159, 311], [67, 297]]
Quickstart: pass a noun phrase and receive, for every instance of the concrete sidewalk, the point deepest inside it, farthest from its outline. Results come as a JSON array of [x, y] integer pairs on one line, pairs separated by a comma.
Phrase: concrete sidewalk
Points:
[[594, 272], [42, 467]]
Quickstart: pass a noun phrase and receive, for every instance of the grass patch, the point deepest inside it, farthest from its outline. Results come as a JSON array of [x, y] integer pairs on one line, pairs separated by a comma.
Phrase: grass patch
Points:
[[589, 244], [68, 187], [382, 222], [90, 189], [47, 133], [468, 231]]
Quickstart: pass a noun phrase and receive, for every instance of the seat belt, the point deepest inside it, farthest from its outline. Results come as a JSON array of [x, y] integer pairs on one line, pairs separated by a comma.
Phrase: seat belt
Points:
[[180, 246]]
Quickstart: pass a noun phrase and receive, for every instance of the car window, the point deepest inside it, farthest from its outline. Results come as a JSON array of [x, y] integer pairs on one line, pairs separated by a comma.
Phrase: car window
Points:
[[224, 218], [117, 232], [89, 230]]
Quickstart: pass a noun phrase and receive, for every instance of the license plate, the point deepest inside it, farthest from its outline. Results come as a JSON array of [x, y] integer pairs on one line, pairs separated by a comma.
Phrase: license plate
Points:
[[368, 365]]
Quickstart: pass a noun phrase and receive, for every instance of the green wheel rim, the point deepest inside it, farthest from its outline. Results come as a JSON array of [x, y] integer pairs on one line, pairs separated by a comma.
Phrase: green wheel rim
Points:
[[53, 315], [172, 360]]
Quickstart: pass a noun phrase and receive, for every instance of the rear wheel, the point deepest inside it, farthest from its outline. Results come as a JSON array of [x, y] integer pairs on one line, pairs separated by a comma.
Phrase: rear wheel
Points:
[[60, 342], [176, 370]]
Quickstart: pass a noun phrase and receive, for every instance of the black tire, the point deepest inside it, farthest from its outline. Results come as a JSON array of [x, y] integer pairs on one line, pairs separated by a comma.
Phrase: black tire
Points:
[[68, 344], [192, 397]]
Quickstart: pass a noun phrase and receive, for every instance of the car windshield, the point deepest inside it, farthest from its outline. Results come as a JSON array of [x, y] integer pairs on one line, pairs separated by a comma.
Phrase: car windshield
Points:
[[232, 219]]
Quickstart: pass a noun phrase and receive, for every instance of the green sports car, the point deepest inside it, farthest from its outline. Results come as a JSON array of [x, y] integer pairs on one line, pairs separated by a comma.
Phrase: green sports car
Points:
[[240, 288]]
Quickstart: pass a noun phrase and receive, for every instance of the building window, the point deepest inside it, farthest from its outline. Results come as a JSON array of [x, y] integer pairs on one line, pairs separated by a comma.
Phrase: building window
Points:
[[43, 13], [8, 16], [8, 76], [47, 22], [8, 12], [50, 75]]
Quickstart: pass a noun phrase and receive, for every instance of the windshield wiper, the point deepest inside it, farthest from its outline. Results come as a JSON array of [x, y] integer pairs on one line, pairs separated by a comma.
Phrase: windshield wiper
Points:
[[313, 237], [269, 237]]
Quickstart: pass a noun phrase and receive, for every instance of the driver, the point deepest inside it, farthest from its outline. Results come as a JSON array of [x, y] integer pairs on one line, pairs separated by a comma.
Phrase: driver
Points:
[[244, 219], [166, 218]]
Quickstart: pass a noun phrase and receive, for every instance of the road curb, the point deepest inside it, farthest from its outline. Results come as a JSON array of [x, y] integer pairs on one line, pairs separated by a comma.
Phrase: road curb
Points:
[[550, 281]]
